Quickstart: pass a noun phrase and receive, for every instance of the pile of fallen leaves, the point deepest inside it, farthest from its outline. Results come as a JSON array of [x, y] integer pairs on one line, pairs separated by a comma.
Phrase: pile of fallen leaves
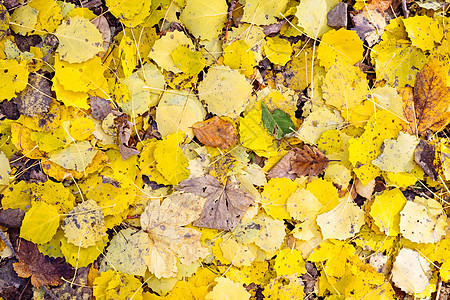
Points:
[[193, 149]]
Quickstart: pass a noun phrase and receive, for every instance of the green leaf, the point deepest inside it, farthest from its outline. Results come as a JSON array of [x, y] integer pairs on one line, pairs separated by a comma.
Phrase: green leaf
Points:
[[277, 123]]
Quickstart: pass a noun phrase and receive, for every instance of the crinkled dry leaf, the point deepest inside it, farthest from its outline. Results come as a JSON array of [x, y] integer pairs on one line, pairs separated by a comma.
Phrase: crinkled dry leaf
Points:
[[226, 205], [216, 132], [43, 270]]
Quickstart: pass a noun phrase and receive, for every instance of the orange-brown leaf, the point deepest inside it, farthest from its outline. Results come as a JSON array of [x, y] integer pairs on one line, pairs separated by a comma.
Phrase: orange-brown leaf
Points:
[[426, 109], [43, 270], [300, 162], [216, 132]]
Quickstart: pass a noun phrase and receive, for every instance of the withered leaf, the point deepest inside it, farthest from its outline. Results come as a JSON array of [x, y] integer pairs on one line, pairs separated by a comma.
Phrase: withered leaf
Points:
[[43, 270], [100, 107], [216, 132], [79, 290], [36, 97], [426, 109], [300, 162], [225, 205], [124, 128], [425, 155]]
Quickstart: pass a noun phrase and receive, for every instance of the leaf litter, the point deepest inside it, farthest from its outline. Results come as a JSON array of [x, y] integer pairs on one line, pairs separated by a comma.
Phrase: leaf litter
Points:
[[225, 149]]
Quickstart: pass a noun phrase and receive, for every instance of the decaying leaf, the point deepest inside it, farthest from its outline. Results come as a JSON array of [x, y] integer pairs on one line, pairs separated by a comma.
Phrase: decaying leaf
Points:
[[124, 128], [79, 289], [308, 161], [36, 97], [84, 225], [411, 271], [225, 205], [43, 270], [216, 132], [169, 241], [427, 109]]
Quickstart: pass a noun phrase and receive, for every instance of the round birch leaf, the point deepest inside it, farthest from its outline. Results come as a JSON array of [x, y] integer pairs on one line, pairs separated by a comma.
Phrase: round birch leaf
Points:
[[79, 40], [40, 223], [410, 271], [84, 225]]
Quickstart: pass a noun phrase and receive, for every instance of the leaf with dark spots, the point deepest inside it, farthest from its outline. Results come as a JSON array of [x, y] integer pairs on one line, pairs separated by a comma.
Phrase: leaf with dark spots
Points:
[[42, 269], [36, 97], [225, 205]]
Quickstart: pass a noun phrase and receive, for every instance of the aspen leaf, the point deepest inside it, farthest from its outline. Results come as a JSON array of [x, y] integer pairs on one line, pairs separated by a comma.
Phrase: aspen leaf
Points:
[[225, 91], [225, 206], [13, 77], [386, 209], [50, 14], [117, 285], [216, 132], [170, 160], [260, 12], [76, 156], [275, 196], [423, 221], [77, 256], [239, 255], [23, 19], [302, 205], [128, 55], [227, 289], [312, 16], [343, 221], [204, 20], [178, 112], [271, 235], [40, 223], [84, 226], [237, 56], [335, 46], [170, 241], [284, 287], [289, 262], [5, 169], [423, 31], [128, 252], [278, 50], [79, 40], [410, 271], [325, 192], [188, 60]]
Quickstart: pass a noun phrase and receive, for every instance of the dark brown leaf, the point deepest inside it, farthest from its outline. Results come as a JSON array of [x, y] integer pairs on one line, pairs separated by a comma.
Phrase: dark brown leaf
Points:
[[215, 132], [77, 291], [226, 205], [43, 270], [124, 127], [36, 97], [424, 155], [300, 162], [11, 218]]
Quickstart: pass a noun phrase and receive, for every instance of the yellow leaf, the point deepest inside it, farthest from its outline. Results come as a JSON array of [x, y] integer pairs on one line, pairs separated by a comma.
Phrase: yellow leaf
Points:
[[170, 160], [79, 40], [275, 195], [23, 19], [423, 221], [225, 91], [21, 138], [312, 16], [78, 256], [238, 55], [13, 78], [170, 241], [68, 97], [277, 50], [76, 156], [128, 55], [289, 262], [84, 225], [344, 87], [325, 192], [261, 12], [302, 205], [5, 169], [147, 163], [116, 285], [40, 223], [81, 128], [178, 111], [50, 15], [343, 222], [226, 289], [188, 60], [386, 209], [128, 252], [162, 49], [271, 233], [204, 20], [284, 287], [236, 253], [424, 31], [410, 271]]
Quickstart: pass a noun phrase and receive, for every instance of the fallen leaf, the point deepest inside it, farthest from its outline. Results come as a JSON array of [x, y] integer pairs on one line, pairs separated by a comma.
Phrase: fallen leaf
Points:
[[117, 285], [427, 109], [308, 162], [386, 209], [40, 223], [216, 132], [225, 205], [410, 271], [43, 270], [260, 12], [423, 31], [369, 25], [76, 289], [278, 122], [227, 289], [84, 225], [124, 128], [312, 16], [36, 97]]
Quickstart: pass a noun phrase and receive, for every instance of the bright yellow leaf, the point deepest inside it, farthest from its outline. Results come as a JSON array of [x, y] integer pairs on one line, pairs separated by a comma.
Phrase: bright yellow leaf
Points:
[[386, 209], [40, 223]]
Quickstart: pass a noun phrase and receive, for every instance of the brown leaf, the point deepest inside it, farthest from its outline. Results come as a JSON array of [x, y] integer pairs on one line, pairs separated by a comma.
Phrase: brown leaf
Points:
[[426, 109], [380, 5], [216, 132], [425, 155], [124, 127], [225, 205], [43, 270], [36, 97], [100, 107], [300, 162], [79, 290]]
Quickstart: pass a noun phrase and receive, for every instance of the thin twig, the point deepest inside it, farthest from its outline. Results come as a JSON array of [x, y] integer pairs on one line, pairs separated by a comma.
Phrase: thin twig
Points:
[[230, 17], [8, 243]]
